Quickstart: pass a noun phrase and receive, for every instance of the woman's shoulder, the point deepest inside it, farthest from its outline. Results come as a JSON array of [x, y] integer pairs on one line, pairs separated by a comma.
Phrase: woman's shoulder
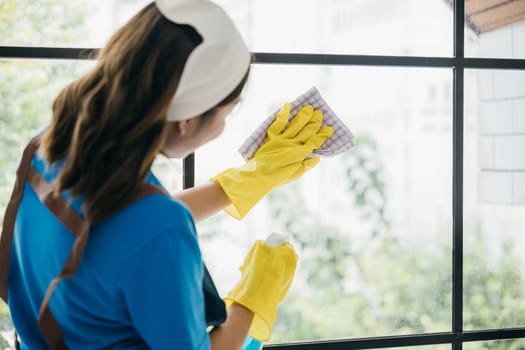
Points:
[[153, 218], [165, 205], [159, 210]]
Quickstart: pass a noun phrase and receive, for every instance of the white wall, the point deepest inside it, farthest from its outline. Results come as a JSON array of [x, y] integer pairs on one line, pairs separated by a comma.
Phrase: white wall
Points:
[[502, 119]]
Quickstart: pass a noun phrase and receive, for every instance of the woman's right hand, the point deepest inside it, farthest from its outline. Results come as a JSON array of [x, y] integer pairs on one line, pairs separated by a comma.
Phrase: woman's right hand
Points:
[[282, 158], [267, 274]]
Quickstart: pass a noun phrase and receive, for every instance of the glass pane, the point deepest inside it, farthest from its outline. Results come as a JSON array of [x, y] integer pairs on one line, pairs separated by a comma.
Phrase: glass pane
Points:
[[79, 23], [494, 200], [505, 344], [495, 28], [42, 23], [372, 226], [387, 27], [383, 27]]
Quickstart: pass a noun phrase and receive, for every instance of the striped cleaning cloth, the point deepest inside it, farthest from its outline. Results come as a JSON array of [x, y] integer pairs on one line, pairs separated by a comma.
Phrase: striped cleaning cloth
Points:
[[341, 140]]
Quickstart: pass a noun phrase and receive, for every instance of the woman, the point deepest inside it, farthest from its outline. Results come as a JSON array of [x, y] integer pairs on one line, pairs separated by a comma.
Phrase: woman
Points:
[[164, 83]]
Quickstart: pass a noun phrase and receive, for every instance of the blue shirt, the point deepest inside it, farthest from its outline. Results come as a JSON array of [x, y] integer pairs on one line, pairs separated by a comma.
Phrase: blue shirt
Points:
[[138, 286]]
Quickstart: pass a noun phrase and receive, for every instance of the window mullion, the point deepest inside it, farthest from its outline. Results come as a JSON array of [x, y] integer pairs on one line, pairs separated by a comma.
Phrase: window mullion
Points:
[[457, 174]]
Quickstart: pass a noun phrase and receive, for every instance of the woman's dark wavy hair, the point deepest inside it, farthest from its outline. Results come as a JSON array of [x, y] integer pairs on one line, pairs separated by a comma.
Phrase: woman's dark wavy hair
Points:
[[109, 125]]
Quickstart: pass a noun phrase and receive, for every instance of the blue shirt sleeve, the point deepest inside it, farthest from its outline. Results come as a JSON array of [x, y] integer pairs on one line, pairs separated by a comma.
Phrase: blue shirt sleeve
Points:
[[162, 289]]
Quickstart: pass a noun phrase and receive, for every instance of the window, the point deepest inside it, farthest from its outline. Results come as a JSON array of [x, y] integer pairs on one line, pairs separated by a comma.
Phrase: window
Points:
[[410, 240]]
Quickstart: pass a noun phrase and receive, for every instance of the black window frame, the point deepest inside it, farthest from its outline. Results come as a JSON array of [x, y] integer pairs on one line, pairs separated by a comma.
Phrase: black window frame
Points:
[[457, 63]]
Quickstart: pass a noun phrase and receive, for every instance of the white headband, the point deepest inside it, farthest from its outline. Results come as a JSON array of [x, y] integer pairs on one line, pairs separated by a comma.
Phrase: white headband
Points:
[[215, 67]]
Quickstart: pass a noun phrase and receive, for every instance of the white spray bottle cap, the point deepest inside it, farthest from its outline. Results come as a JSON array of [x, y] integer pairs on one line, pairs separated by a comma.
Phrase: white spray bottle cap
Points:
[[276, 239]]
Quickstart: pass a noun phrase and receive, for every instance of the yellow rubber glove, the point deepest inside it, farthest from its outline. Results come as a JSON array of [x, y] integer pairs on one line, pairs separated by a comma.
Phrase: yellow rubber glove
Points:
[[267, 274], [282, 158]]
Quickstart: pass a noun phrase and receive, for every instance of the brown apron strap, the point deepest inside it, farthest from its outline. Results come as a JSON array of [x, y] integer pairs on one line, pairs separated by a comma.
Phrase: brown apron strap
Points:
[[46, 321], [59, 207], [8, 225], [79, 227]]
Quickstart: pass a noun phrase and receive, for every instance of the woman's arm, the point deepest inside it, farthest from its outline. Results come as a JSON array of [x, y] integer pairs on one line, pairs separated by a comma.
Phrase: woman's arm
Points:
[[232, 333], [204, 200]]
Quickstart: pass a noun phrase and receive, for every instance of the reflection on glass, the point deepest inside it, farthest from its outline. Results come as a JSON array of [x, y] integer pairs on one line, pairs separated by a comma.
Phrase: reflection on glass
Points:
[[510, 344], [386, 27], [494, 200], [495, 29], [372, 226]]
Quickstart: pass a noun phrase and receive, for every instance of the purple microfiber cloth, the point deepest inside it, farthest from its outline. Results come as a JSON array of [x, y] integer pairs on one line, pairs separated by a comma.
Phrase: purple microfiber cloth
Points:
[[340, 141]]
